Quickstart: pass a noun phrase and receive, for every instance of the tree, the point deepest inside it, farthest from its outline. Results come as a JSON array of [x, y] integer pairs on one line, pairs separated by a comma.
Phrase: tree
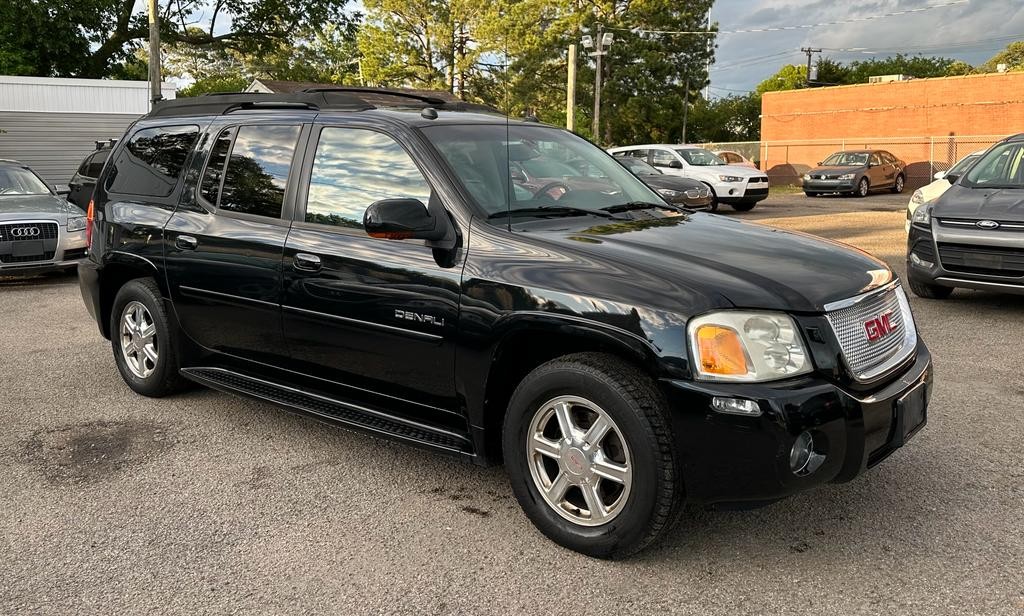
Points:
[[919, 67], [88, 38], [1012, 57], [789, 77], [732, 118], [959, 67]]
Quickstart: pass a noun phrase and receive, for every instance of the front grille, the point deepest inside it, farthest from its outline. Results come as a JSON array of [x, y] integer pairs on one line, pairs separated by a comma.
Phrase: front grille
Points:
[[758, 180], [851, 326], [46, 256], [26, 231], [986, 260], [968, 223]]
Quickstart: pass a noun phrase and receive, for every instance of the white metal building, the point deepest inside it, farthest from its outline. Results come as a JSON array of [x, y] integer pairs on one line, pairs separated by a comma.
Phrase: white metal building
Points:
[[51, 124]]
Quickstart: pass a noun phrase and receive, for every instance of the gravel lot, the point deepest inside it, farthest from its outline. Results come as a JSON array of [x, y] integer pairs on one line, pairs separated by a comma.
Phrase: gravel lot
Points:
[[206, 503]]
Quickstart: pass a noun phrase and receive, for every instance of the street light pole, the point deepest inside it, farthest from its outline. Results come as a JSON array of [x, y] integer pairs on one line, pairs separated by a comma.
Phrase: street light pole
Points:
[[155, 91], [570, 91], [600, 45]]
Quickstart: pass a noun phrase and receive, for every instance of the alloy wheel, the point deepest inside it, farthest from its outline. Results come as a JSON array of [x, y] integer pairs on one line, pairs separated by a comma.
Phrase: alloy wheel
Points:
[[579, 460], [138, 339]]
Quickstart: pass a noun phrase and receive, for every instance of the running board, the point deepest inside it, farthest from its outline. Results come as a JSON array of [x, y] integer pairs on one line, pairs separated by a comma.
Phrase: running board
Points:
[[336, 411]]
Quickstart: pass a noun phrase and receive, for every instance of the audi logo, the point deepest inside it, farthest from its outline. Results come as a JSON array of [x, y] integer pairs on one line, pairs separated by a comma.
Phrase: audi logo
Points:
[[25, 232]]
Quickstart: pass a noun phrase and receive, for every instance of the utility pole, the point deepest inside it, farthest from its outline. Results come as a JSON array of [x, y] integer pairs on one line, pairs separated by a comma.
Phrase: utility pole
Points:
[[155, 91], [809, 51], [570, 91], [707, 43], [600, 44], [686, 108]]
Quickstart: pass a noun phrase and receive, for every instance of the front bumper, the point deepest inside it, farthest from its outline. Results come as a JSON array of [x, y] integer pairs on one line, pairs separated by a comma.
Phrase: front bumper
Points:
[[66, 252], [925, 258], [738, 192], [745, 460], [829, 186]]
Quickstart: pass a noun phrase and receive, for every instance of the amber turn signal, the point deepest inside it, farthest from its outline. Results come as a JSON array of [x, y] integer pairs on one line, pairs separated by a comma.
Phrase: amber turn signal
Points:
[[721, 351]]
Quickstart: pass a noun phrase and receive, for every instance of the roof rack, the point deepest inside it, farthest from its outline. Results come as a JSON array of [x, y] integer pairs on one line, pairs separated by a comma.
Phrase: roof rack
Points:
[[312, 99]]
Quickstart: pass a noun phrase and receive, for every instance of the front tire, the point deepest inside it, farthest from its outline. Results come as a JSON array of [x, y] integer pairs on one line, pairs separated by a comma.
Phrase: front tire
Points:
[[590, 456], [863, 188], [929, 291], [141, 336]]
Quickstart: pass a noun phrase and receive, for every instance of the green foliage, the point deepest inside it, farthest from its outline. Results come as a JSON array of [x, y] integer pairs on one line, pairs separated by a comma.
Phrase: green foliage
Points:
[[919, 67], [789, 77], [959, 67], [216, 83], [1012, 57], [733, 118]]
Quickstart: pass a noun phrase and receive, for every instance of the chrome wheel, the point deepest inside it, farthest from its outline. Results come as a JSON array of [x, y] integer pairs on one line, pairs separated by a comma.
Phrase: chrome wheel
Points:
[[899, 184], [579, 461], [138, 339], [862, 188]]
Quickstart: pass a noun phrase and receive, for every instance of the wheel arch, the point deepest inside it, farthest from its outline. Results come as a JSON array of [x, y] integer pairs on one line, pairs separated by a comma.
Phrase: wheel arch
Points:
[[119, 268]]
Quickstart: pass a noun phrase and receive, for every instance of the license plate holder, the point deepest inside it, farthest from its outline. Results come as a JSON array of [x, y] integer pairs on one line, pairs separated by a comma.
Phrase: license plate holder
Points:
[[911, 413], [27, 248]]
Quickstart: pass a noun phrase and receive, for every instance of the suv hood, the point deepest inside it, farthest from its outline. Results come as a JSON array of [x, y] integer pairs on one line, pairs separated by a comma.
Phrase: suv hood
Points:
[[25, 207], [1003, 204], [732, 263]]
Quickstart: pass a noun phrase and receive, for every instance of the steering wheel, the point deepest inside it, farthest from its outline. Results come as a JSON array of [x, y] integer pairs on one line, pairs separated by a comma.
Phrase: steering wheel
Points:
[[552, 190]]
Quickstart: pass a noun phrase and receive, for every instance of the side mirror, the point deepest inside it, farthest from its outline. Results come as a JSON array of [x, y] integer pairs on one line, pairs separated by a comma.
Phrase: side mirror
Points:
[[952, 178], [675, 164], [939, 175], [402, 219], [517, 175]]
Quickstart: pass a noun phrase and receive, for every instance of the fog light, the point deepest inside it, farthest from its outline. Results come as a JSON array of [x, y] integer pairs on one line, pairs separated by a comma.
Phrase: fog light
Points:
[[916, 260], [803, 459], [736, 406], [732, 191]]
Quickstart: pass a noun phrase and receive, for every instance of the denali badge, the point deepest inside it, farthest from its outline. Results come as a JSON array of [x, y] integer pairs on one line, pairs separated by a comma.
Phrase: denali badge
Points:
[[878, 327], [406, 315], [987, 224]]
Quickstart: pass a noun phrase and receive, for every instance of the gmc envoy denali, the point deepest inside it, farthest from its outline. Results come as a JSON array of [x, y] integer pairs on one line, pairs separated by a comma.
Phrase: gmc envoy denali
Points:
[[366, 257]]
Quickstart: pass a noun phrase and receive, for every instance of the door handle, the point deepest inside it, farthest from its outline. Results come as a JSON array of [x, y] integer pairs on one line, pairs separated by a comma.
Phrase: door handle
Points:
[[186, 242], [306, 262]]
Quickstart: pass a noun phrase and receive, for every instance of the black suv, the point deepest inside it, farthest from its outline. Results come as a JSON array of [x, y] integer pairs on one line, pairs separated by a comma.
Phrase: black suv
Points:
[[365, 258], [82, 183]]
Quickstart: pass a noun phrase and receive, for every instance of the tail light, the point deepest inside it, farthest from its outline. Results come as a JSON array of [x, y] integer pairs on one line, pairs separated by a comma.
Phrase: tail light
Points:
[[89, 213]]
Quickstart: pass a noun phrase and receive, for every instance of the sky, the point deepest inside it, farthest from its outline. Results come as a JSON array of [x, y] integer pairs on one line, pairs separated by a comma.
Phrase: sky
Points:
[[973, 31]]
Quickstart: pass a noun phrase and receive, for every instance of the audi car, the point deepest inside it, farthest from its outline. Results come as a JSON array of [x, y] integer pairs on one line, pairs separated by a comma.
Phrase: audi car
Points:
[[39, 230]]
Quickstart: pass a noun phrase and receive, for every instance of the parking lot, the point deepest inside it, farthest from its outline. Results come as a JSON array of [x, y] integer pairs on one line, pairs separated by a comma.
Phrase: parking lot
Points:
[[207, 503]]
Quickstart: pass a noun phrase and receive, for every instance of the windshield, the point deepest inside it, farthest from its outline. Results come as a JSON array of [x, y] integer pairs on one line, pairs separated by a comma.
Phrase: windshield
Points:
[[638, 166], [21, 181], [1000, 167], [700, 158], [965, 164], [846, 159], [550, 169]]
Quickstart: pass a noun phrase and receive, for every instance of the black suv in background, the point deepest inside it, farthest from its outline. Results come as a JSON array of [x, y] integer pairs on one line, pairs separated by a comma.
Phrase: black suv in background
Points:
[[82, 183], [365, 257]]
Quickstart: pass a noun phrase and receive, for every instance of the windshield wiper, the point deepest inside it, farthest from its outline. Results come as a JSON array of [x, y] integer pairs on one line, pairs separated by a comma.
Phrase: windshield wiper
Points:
[[556, 210], [643, 205]]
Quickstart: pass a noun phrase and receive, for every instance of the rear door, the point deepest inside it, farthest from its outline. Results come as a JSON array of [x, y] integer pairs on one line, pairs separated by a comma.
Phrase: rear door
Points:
[[225, 241], [877, 171], [375, 316]]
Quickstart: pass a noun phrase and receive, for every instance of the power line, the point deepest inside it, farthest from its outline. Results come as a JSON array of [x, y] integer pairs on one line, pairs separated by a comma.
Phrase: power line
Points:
[[824, 24], [944, 47]]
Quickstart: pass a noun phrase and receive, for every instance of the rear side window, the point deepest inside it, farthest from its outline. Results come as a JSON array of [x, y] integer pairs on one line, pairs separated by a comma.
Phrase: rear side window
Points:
[[85, 164], [257, 170], [96, 163], [151, 162], [209, 186], [662, 158]]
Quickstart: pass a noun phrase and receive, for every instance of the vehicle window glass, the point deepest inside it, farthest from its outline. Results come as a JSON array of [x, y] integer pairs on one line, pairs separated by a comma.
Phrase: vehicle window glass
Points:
[[20, 181], [888, 158], [1001, 167], [729, 157], [355, 167], [96, 163], [150, 164], [661, 158], [964, 164], [875, 159], [209, 186], [84, 167], [254, 181], [699, 157], [640, 167], [846, 159], [638, 154]]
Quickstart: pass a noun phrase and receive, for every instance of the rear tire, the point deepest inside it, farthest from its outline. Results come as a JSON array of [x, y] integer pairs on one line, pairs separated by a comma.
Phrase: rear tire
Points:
[[899, 184], [557, 477], [929, 291], [143, 340]]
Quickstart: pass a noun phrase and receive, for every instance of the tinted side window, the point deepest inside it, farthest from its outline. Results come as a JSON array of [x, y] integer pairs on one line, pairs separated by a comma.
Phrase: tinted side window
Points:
[[209, 186], [876, 159], [85, 164], [150, 164], [662, 158], [352, 169], [96, 163], [254, 182]]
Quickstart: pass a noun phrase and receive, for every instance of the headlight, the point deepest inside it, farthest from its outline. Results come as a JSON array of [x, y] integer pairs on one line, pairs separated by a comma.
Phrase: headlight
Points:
[[76, 223], [747, 346], [730, 178], [807, 176], [848, 176], [668, 192], [923, 215], [917, 198]]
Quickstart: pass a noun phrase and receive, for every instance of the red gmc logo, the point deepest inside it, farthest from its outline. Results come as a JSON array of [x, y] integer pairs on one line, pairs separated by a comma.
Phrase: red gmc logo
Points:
[[878, 327]]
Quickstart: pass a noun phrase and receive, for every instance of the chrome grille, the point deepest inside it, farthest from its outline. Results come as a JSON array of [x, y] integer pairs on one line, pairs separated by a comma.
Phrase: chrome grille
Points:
[[866, 358], [24, 231]]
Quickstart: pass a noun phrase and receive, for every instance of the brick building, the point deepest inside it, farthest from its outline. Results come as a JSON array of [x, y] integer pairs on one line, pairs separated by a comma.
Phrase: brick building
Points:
[[929, 123]]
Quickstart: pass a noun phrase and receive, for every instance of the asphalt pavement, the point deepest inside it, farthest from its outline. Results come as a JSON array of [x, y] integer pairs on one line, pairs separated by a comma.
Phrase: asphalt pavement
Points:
[[204, 503]]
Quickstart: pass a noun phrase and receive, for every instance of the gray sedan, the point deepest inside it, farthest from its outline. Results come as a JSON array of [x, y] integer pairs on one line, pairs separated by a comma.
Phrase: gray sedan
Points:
[[39, 231], [856, 172]]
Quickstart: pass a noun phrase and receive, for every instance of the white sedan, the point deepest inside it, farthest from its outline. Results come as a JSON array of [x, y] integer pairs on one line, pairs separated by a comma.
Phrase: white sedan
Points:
[[939, 185]]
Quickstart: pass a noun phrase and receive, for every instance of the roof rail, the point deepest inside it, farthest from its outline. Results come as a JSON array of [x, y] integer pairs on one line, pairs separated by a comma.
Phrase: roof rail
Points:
[[221, 103], [423, 98]]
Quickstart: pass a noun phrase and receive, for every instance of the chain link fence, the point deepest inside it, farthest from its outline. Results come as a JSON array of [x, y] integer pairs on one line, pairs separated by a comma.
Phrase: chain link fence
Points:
[[787, 161]]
